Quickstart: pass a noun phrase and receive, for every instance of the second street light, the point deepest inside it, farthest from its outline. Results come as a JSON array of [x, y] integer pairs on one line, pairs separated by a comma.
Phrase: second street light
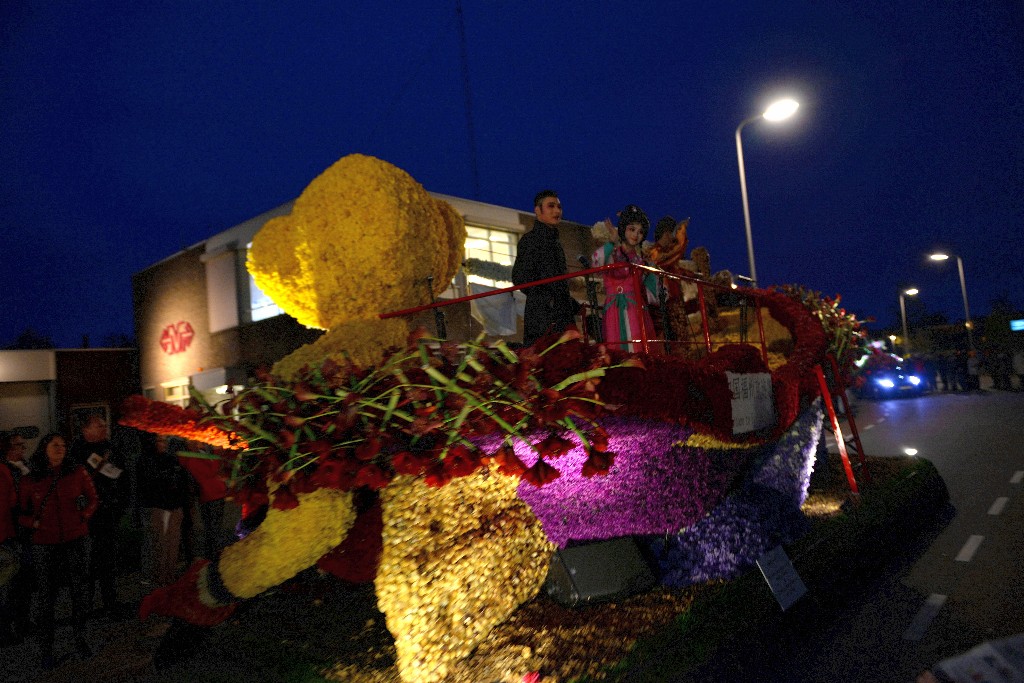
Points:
[[963, 291], [777, 111], [903, 317]]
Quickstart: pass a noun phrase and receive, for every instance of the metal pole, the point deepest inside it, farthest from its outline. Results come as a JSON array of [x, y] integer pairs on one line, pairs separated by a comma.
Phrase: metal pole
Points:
[[903, 316], [967, 310], [743, 191]]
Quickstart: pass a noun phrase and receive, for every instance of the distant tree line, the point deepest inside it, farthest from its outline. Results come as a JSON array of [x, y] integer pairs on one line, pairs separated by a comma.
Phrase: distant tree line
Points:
[[29, 338]]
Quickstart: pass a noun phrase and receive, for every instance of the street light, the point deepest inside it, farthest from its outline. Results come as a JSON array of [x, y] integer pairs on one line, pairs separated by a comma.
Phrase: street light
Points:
[[903, 315], [963, 291], [777, 111]]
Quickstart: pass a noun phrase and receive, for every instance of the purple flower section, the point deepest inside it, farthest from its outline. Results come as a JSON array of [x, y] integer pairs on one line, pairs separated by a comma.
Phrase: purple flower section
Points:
[[763, 513], [788, 468], [655, 486]]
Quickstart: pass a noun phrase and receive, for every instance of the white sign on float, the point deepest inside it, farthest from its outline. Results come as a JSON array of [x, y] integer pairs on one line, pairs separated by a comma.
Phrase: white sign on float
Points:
[[778, 571], [753, 403]]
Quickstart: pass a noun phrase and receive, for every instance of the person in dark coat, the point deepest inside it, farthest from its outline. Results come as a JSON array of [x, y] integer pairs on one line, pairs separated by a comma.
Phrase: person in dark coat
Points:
[[163, 494], [55, 503], [16, 595], [108, 470], [549, 307]]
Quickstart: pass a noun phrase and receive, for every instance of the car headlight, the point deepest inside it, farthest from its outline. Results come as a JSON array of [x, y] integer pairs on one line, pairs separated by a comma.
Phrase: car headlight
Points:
[[885, 382], [914, 379]]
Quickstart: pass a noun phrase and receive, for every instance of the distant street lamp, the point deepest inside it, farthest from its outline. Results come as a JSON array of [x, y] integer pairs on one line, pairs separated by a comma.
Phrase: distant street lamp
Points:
[[903, 316], [963, 291], [777, 111]]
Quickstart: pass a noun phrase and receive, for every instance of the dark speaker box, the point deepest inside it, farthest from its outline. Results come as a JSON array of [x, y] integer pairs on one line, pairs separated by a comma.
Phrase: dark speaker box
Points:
[[598, 572]]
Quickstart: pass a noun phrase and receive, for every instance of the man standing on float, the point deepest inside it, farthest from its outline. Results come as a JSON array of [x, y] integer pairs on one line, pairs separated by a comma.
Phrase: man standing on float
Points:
[[549, 307]]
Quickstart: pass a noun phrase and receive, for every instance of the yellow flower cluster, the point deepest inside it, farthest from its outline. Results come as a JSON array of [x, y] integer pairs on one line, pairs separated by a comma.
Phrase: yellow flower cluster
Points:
[[457, 561], [361, 240], [708, 442], [287, 542], [364, 342]]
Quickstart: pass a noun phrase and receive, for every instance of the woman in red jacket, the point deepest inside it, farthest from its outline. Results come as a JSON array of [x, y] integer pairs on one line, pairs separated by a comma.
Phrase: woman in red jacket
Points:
[[56, 501]]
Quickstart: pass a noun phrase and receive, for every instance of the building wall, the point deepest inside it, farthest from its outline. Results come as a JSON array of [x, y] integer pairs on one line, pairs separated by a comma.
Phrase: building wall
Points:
[[52, 389], [93, 378], [172, 321], [174, 292]]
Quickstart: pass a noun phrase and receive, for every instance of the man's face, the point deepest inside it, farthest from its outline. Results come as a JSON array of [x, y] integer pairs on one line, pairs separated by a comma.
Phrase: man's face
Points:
[[549, 211], [16, 451], [95, 431]]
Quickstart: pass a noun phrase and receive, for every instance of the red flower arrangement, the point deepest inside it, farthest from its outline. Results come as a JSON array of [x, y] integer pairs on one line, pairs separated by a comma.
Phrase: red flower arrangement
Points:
[[697, 393], [417, 413], [163, 418]]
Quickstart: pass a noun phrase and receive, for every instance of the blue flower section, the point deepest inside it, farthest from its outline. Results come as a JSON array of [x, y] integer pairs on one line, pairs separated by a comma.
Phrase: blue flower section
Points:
[[763, 513]]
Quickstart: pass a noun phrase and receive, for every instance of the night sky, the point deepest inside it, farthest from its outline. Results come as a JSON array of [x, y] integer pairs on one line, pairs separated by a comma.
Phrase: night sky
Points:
[[129, 131]]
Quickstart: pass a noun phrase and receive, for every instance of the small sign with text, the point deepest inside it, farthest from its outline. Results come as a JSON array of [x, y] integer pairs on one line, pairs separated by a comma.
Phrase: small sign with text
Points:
[[778, 571], [753, 403]]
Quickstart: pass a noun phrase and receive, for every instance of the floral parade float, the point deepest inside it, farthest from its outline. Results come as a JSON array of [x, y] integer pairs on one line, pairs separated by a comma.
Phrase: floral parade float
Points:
[[449, 474]]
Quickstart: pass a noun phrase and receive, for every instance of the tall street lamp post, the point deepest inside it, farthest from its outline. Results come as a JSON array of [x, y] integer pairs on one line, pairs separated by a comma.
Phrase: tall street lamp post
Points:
[[777, 111], [903, 317], [963, 291]]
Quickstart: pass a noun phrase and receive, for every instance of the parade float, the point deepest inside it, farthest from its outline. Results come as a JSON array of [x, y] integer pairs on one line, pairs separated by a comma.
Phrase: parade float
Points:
[[448, 474]]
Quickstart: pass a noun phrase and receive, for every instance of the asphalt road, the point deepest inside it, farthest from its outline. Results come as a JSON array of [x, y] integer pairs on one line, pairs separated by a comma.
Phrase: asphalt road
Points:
[[959, 584]]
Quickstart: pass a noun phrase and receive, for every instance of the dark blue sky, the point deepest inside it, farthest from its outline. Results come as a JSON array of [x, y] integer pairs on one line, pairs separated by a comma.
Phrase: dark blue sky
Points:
[[130, 130]]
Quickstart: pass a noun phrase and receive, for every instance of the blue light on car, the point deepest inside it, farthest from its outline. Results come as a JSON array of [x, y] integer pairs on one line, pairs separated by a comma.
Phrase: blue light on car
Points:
[[914, 379], [886, 382]]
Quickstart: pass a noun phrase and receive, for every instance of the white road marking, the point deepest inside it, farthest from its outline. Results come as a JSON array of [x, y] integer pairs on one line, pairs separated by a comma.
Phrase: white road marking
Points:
[[966, 553], [867, 427], [924, 617], [1017, 477], [998, 505], [881, 420]]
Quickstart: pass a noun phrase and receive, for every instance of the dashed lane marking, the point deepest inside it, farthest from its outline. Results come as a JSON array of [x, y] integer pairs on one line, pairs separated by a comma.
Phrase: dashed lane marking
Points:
[[1017, 477], [966, 553], [924, 617], [870, 426], [998, 505]]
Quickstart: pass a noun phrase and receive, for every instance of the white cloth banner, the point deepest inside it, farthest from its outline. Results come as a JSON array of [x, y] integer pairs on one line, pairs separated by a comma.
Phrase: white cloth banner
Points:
[[497, 313]]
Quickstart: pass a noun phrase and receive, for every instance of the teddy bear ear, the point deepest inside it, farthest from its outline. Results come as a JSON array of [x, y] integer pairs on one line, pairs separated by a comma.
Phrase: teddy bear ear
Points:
[[455, 237]]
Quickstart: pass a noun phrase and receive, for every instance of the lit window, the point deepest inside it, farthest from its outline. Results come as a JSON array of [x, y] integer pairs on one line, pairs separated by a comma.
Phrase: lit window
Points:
[[490, 253], [174, 392]]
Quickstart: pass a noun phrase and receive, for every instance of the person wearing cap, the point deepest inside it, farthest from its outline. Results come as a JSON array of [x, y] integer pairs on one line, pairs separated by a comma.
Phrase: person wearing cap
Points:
[[627, 319], [550, 309]]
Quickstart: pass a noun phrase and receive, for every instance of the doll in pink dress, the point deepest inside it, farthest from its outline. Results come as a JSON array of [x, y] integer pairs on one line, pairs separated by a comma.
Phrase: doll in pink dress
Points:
[[626, 316]]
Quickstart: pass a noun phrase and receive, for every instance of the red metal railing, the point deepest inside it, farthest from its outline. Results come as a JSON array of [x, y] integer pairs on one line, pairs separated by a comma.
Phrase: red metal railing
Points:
[[748, 297]]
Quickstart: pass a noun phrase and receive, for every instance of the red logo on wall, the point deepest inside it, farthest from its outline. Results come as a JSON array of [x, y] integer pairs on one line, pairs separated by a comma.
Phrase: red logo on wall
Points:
[[177, 337]]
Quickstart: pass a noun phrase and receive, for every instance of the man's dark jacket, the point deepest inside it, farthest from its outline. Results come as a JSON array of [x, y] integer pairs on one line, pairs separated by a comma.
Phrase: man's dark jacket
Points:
[[549, 308]]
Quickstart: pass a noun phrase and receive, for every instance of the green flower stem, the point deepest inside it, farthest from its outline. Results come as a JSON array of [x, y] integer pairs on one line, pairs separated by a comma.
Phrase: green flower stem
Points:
[[579, 377]]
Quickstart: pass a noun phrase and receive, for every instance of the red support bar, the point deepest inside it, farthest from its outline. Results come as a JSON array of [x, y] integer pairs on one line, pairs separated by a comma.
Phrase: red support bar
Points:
[[703, 316], [760, 330], [836, 430], [840, 389]]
